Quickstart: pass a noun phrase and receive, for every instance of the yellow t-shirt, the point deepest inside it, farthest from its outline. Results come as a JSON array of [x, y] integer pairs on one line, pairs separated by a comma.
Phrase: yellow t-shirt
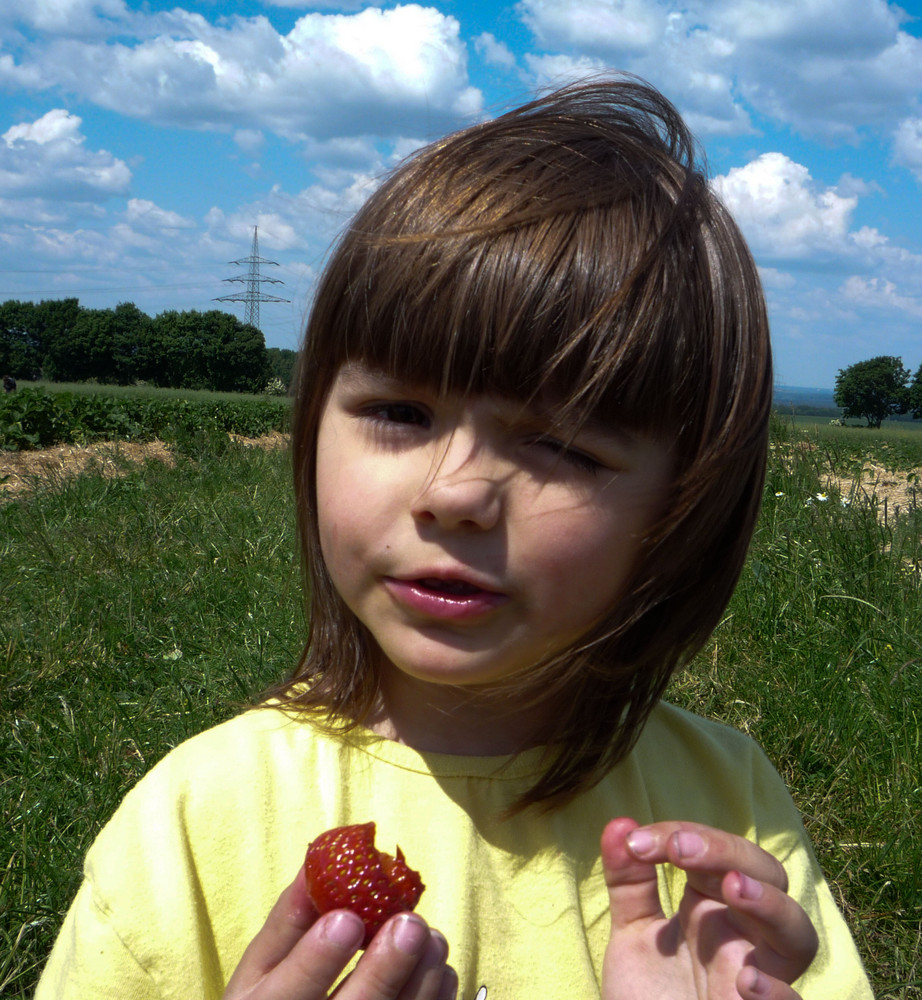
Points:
[[182, 877]]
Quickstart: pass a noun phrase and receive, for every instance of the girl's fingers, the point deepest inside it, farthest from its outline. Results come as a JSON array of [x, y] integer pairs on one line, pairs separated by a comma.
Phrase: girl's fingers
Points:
[[705, 854], [752, 984], [288, 921], [405, 961], [316, 961], [786, 939], [299, 956], [632, 884], [726, 869]]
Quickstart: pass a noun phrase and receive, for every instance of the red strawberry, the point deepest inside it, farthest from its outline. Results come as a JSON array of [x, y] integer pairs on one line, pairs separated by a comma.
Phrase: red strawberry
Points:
[[346, 872]]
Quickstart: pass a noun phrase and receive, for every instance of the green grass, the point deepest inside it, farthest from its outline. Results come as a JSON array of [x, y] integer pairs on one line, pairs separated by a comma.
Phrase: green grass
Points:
[[893, 426], [135, 612], [820, 659], [94, 388]]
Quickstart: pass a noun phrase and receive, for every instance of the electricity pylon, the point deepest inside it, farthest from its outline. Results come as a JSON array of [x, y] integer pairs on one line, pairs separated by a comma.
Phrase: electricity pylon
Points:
[[254, 282]]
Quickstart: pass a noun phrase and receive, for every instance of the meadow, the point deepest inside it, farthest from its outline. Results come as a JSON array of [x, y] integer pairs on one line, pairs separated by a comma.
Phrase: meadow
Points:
[[139, 608]]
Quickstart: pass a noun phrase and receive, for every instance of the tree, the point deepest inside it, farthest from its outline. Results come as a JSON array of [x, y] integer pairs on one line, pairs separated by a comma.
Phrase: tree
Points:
[[282, 362], [20, 350], [235, 353], [92, 349], [53, 323], [915, 395], [32, 335], [210, 350], [873, 390]]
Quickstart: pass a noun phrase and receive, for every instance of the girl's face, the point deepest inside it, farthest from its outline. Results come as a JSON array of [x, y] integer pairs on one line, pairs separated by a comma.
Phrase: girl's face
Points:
[[468, 539]]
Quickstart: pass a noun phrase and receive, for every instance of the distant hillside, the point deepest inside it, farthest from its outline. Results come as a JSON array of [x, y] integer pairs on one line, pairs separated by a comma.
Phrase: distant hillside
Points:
[[799, 397], [806, 402]]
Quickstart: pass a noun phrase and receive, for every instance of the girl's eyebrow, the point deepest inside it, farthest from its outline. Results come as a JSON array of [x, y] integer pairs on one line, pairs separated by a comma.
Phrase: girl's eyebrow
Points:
[[593, 429], [591, 432], [548, 412], [357, 376]]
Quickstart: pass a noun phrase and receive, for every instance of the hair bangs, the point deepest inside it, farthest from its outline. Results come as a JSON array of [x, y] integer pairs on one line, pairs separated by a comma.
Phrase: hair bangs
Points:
[[575, 309]]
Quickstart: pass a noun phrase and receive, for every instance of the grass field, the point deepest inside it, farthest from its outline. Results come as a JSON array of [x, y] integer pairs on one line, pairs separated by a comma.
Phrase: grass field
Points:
[[136, 610], [92, 388]]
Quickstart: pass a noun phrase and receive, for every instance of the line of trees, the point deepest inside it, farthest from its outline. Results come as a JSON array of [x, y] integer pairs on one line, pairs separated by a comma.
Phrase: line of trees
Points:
[[61, 341], [878, 388]]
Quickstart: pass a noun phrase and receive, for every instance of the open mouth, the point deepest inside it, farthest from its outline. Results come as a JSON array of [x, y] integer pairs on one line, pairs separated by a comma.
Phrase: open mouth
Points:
[[457, 588]]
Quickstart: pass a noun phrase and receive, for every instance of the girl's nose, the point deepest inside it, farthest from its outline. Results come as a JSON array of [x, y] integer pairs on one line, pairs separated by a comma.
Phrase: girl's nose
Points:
[[468, 494]]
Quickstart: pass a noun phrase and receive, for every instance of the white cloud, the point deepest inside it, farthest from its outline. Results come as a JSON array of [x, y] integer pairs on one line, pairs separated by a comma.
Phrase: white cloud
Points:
[[56, 125], [812, 25], [301, 222], [396, 71], [849, 185], [907, 145], [72, 17], [667, 47], [493, 51], [557, 70], [593, 25], [824, 67], [783, 212], [250, 140], [337, 5], [48, 158], [880, 293], [774, 279], [147, 215]]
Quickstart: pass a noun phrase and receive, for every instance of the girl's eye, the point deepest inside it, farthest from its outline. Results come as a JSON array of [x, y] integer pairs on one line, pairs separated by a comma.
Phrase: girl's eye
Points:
[[398, 413], [572, 456]]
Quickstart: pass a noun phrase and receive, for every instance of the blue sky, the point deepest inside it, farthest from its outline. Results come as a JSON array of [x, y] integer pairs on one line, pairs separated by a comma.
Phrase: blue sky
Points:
[[141, 141]]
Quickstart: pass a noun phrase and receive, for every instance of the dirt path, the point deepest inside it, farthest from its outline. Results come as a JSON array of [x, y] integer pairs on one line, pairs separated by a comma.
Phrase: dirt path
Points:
[[20, 471], [892, 489]]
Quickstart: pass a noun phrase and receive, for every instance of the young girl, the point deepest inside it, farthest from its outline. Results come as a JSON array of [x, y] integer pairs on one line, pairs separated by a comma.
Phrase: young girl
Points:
[[530, 436]]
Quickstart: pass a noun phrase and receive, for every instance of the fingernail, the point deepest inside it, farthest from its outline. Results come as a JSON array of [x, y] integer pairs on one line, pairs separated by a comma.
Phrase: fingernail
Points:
[[758, 984], [448, 989], [640, 842], [409, 934], [749, 887], [344, 929], [688, 845], [437, 951]]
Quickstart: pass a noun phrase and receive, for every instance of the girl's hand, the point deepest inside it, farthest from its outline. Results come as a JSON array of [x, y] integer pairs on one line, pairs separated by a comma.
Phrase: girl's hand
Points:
[[299, 956], [736, 934]]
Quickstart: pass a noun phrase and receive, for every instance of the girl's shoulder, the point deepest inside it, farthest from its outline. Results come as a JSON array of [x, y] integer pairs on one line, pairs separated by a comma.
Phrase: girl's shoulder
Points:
[[241, 738], [256, 749], [707, 771], [679, 727]]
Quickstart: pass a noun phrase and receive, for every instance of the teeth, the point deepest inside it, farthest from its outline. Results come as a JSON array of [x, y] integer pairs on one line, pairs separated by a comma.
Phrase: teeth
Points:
[[450, 586]]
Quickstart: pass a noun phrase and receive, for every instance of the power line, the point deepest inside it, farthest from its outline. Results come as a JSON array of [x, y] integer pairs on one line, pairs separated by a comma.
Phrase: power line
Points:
[[254, 281], [91, 289]]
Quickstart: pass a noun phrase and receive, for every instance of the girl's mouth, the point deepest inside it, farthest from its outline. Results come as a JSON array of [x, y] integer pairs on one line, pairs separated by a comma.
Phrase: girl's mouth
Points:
[[443, 598], [457, 587]]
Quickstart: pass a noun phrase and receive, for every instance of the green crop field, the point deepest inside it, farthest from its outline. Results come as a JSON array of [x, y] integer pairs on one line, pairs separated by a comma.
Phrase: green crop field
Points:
[[140, 608]]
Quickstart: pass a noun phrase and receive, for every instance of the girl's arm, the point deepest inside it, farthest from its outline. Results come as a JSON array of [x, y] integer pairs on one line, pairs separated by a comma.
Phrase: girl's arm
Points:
[[737, 933], [298, 956]]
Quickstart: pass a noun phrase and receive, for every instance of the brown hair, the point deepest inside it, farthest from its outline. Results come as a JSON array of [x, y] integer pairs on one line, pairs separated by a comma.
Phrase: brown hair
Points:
[[570, 246]]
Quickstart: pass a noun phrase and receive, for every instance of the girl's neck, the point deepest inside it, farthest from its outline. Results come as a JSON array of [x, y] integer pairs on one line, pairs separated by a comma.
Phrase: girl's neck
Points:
[[440, 718]]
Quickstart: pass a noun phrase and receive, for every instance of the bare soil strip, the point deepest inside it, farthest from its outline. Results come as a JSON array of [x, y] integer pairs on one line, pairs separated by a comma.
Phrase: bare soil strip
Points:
[[890, 488], [22, 471]]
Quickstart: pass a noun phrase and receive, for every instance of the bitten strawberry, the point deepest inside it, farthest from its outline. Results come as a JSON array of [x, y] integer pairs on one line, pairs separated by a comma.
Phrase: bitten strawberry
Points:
[[346, 871]]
